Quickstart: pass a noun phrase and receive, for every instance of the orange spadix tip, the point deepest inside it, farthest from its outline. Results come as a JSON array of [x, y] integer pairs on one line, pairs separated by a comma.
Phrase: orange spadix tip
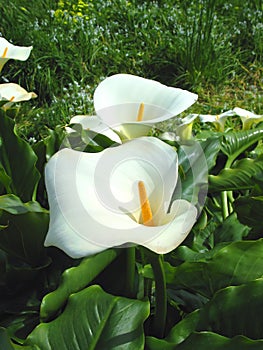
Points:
[[5, 52], [140, 113], [147, 217]]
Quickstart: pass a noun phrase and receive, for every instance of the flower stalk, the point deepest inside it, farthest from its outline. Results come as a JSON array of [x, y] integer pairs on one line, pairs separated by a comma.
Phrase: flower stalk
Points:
[[130, 272], [159, 321]]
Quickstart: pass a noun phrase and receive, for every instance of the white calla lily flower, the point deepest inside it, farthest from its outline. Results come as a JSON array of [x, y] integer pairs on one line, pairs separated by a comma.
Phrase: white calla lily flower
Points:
[[184, 130], [132, 104], [9, 51], [95, 124], [248, 118], [116, 197], [12, 93], [218, 120]]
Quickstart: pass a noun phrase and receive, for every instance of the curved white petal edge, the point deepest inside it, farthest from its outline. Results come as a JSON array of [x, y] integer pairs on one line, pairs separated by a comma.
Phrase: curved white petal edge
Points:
[[245, 113], [15, 93], [94, 201], [117, 99], [10, 51]]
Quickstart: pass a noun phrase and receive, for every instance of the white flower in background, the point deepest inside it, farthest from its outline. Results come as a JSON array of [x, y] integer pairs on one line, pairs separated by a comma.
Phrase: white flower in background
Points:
[[95, 124], [12, 93], [119, 196], [9, 51], [184, 130], [218, 120], [132, 104], [248, 118]]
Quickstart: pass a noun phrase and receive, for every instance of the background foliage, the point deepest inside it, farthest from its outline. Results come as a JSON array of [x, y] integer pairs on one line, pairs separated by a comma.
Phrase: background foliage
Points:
[[214, 279], [211, 47]]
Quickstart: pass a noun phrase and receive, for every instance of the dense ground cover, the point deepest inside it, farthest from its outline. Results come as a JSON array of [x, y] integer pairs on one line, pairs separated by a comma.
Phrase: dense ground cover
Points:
[[206, 293], [211, 47]]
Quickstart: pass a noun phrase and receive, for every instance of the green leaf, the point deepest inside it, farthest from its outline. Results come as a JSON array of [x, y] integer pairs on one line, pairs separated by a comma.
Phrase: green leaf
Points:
[[177, 335], [92, 138], [193, 173], [250, 211], [6, 344], [240, 176], [234, 311], [206, 341], [54, 140], [211, 147], [234, 143], [74, 280], [87, 140], [94, 319], [5, 180], [17, 161], [230, 230], [23, 229], [234, 264], [13, 205]]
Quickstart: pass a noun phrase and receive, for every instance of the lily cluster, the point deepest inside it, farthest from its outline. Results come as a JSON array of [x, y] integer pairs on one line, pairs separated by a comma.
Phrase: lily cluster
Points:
[[122, 195], [11, 92], [130, 106], [248, 119]]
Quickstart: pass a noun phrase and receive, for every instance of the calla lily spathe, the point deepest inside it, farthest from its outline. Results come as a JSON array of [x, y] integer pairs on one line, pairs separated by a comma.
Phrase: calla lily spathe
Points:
[[118, 98], [12, 93], [248, 118], [218, 120], [9, 51], [184, 130], [94, 200]]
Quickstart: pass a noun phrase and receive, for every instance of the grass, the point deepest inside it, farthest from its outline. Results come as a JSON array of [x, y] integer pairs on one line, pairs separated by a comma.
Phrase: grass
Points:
[[210, 47]]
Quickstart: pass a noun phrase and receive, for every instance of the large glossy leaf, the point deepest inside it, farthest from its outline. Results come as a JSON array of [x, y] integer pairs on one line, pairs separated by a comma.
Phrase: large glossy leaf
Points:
[[210, 340], [234, 264], [23, 229], [208, 239], [233, 313], [74, 280], [193, 172], [177, 335], [94, 319], [230, 230], [206, 341], [211, 147], [17, 161], [240, 176], [234, 143], [250, 211]]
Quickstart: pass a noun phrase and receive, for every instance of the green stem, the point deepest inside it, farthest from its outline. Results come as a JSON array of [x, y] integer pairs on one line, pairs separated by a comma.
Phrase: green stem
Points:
[[160, 295], [224, 202], [130, 272], [230, 201]]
